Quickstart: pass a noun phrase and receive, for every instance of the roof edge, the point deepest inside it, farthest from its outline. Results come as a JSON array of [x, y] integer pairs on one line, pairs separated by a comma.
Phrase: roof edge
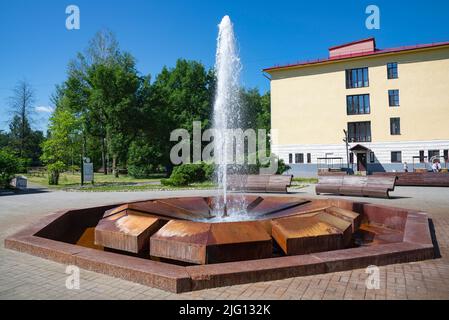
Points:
[[356, 55]]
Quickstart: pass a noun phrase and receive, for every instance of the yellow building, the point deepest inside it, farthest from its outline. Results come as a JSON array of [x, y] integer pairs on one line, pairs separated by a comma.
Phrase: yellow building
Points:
[[393, 104]]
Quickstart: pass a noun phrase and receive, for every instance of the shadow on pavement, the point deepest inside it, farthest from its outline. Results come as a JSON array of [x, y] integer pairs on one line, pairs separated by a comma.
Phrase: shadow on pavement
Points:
[[436, 247], [18, 192]]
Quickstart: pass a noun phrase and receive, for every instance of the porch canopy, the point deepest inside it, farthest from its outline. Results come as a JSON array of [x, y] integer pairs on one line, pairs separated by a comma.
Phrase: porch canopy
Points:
[[359, 148]]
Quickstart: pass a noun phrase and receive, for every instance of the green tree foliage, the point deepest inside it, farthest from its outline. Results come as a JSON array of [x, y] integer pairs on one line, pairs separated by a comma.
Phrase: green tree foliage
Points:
[[4, 139], [24, 141], [126, 119], [21, 139], [9, 165], [256, 109], [58, 148], [142, 159], [178, 97]]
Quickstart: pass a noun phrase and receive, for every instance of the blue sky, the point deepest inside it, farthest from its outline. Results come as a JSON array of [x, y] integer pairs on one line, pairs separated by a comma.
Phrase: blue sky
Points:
[[35, 45]]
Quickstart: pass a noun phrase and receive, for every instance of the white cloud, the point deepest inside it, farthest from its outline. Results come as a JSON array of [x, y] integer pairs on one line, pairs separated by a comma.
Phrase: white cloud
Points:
[[44, 109]]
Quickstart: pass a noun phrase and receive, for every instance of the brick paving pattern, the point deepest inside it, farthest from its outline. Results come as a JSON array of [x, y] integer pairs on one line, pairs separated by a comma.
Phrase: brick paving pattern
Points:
[[23, 276]]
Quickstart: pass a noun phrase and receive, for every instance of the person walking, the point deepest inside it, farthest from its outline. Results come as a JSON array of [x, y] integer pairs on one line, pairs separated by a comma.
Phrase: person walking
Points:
[[405, 167]]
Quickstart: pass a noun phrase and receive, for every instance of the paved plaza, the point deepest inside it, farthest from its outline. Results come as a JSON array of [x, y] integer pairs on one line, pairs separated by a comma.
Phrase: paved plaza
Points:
[[23, 276]]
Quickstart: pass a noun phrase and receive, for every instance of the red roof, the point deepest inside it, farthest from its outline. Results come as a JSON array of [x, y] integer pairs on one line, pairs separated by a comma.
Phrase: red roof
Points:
[[353, 42], [355, 55]]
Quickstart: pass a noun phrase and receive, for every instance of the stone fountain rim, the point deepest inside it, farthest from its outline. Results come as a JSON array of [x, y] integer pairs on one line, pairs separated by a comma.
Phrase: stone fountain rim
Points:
[[417, 245]]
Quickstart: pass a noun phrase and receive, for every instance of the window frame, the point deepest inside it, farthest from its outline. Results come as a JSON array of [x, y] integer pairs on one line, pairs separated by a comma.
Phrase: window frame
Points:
[[435, 152], [393, 98], [400, 156], [422, 157], [352, 78], [356, 102], [398, 133], [299, 157], [358, 130], [395, 73]]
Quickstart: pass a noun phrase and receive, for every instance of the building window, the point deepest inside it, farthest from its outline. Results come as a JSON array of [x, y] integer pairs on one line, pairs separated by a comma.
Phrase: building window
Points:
[[392, 70], [358, 104], [396, 156], [299, 158], [393, 98], [357, 78], [421, 156], [309, 158], [351, 157], [433, 153], [395, 126], [371, 157], [359, 131], [446, 155], [290, 158]]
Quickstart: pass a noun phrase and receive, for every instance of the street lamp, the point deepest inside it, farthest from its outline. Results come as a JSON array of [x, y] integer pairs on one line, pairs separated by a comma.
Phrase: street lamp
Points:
[[346, 141]]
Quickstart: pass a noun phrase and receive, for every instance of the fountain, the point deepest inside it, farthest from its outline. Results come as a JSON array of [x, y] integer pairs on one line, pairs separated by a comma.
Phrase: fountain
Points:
[[227, 113], [192, 243]]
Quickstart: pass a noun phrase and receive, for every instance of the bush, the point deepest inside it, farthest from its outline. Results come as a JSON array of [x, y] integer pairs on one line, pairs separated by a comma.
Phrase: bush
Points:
[[282, 167], [140, 172], [186, 174], [9, 166]]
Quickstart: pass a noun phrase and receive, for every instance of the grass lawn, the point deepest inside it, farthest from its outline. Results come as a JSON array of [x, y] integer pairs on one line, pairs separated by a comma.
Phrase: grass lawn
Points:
[[144, 187], [105, 183], [68, 180], [304, 180]]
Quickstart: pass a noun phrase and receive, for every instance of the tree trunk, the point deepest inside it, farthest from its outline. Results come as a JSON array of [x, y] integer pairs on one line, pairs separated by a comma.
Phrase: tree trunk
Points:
[[103, 157], [54, 178], [114, 165]]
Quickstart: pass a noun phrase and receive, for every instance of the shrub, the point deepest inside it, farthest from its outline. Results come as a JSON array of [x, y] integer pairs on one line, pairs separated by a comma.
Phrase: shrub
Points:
[[186, 174], [9, 166], [282, 167]]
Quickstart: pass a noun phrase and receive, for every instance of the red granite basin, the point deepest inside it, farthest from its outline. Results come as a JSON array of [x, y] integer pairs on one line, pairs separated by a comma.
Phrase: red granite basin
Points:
[[178, 245]]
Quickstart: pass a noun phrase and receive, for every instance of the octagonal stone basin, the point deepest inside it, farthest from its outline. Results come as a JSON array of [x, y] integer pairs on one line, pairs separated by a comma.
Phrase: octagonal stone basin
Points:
[[177, 244]]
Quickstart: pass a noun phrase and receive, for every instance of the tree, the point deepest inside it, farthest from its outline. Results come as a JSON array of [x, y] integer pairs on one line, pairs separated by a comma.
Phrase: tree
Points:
[[27, 149], [9, 165], [59, 146], [113, 96], [4, 139], [256, 109], [102, 91], [178, 97], [21, 103]]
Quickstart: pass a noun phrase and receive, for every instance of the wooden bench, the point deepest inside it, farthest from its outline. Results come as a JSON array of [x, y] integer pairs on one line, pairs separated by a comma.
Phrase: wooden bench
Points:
[[362, 186], [425, 179], [259, 183]]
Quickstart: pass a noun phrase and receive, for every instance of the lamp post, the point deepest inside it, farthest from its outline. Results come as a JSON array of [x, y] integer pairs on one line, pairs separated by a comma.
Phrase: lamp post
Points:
[[346, 141]]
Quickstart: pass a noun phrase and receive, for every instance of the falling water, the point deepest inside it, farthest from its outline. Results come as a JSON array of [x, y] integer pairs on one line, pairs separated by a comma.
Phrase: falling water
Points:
[[227, 110]]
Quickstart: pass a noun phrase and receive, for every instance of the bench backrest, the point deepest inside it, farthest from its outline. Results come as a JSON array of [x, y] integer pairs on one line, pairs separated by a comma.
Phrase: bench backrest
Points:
[[330, 180], [379, 181], [359, 181], [259, 182]]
